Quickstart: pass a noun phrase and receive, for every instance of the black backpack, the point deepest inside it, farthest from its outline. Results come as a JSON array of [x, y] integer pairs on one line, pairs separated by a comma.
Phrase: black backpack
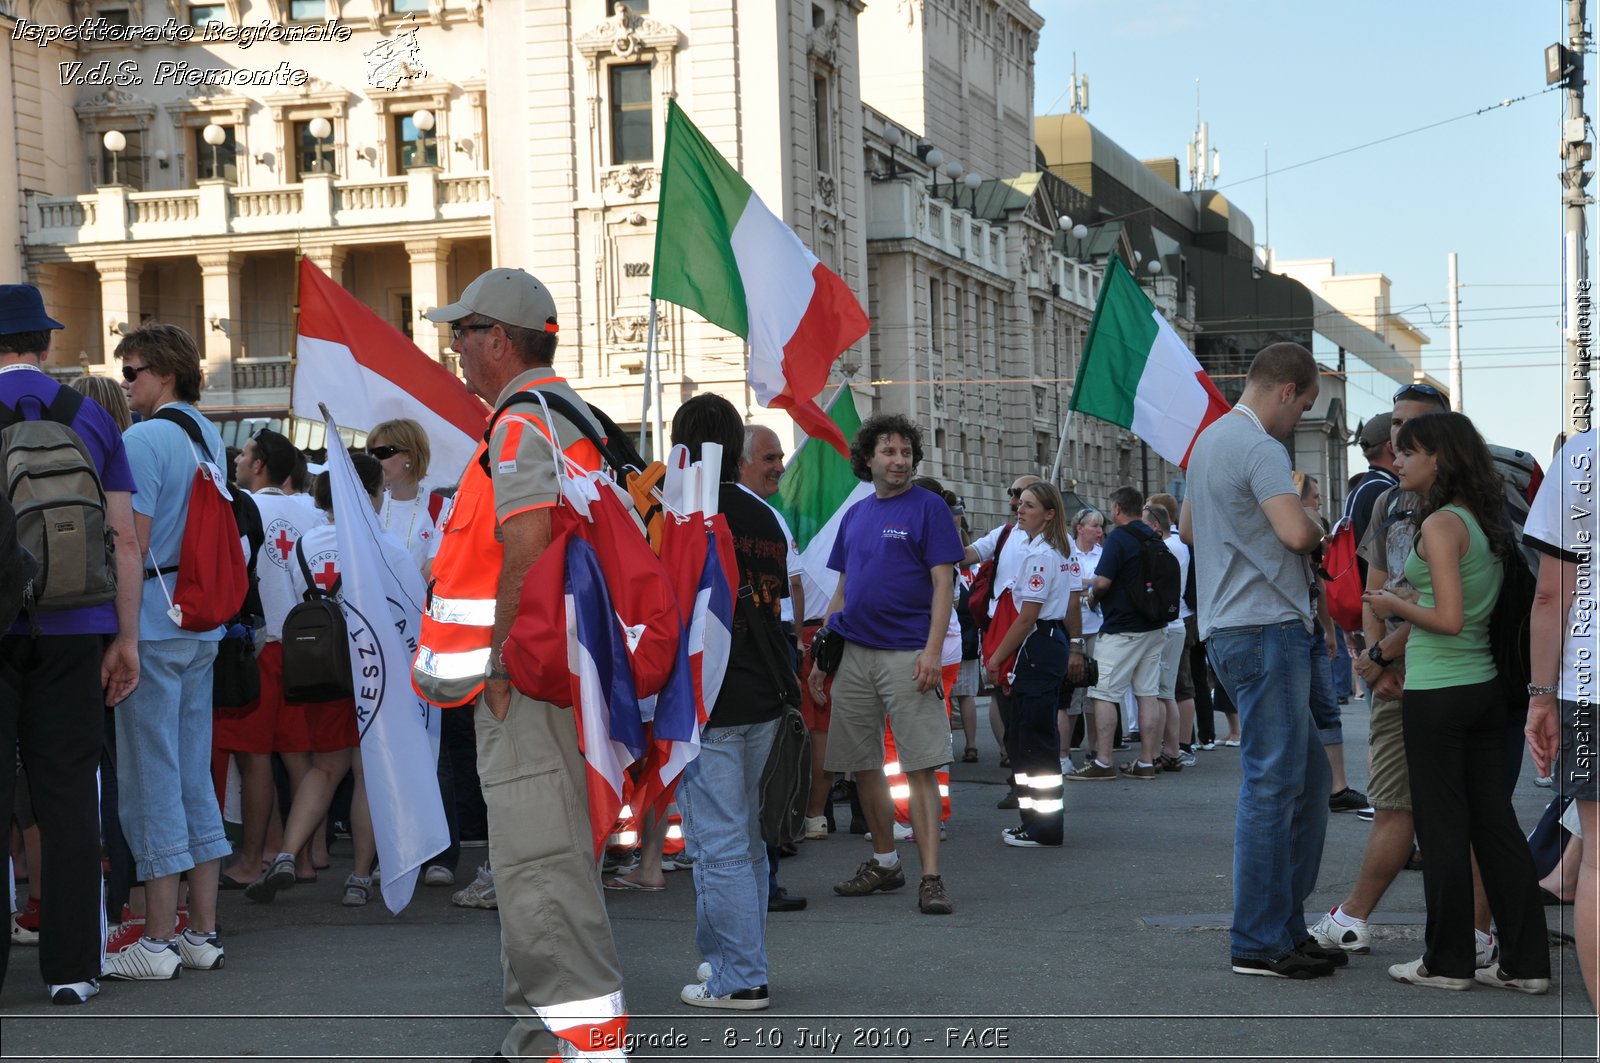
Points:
[[1508, 633], [17, 567], [1160, 588], [316, 643]]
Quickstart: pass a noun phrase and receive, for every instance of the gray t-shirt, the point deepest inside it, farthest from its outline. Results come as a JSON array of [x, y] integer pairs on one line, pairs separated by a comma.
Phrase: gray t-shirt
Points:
[[1391, 534], [1244, 576]]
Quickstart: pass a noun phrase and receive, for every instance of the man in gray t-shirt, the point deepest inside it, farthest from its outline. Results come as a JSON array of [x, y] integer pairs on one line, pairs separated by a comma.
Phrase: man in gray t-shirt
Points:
[[1242, 513]]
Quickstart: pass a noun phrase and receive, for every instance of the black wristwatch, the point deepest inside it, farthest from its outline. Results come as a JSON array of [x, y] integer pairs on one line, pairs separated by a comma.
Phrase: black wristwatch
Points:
[[1375, 654]]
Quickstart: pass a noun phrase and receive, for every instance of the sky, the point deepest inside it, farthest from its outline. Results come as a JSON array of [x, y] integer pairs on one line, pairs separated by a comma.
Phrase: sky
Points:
[[1302, 81]]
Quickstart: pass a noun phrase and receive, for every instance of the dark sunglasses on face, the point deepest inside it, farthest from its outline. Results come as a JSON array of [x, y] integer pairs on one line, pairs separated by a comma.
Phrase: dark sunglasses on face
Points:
[[130, 373], [1014, 492], [381, 453]]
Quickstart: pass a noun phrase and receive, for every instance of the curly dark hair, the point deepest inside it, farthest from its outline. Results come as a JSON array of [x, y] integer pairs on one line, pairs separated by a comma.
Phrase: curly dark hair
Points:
[[874, 429], [1466, 473]]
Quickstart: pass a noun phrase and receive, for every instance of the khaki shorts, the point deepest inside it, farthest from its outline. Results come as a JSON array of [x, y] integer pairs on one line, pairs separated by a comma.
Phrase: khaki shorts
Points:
[[1184, 691], [1388, 779], [872, 685], [1172, 661], [1128, 657]]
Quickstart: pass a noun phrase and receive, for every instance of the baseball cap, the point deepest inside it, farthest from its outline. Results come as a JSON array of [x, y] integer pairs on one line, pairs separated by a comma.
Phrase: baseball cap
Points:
[[22, 310], [512, 296], [1374, 431]]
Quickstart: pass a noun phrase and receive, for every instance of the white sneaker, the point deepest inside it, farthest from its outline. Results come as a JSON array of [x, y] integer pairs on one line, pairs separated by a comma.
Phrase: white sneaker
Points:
[[1186, 758], [1414, 973], [205, 956], [1331, 934], [678, 861], [816, 828], [479, 893], [1545, 781], [74, 992], [1488, 951], [1493, 975], [136, 963], [438, 875], [902, 833], [21, 935], [702, 973], [739, 1000]]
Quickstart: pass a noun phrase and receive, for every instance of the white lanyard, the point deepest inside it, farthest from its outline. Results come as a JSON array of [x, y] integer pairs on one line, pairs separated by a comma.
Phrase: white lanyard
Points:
[[1248, 412]]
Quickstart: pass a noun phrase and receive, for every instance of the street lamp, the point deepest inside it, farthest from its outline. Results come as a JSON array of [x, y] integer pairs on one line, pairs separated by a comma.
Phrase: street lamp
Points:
[[934, 158], [891, 137], [212, 134], [114, 142], [952, 170], [423, 120], [320, 129], [973, 180]]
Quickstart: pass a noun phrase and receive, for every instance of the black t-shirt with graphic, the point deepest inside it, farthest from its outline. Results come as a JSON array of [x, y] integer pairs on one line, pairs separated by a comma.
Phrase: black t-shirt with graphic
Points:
[[749, 692]]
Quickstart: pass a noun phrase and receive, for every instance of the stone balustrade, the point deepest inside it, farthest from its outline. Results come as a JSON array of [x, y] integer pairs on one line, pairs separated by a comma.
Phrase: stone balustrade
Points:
[[114, 213], [903, 210], [254, 373]]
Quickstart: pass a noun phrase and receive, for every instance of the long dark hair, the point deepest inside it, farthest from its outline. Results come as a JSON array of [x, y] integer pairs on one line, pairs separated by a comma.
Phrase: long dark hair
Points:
[[1466, 473]]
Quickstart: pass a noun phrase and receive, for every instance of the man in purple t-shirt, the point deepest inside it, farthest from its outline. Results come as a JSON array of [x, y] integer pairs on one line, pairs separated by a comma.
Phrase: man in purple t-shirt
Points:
[[57, 678], [895, 555]]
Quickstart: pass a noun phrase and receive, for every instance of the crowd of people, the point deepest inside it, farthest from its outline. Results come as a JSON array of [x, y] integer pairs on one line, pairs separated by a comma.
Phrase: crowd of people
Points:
[[1126, 630]]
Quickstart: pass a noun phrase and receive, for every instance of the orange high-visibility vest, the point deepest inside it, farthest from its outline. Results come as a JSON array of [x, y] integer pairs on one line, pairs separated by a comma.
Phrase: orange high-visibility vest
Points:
[[453, 643]]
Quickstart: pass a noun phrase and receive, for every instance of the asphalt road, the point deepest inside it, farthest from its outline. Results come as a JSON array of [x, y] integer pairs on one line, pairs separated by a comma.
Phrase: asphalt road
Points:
[[1113, 947]]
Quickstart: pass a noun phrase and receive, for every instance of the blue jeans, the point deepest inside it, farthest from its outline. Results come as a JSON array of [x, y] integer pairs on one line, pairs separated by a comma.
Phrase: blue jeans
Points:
[[1343, 684], [719, 800], [168, 805], [1324, 705], [1283, 792]]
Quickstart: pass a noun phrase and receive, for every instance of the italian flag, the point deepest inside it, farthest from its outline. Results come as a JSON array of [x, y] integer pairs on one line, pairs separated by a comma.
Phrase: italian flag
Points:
[[366, 371], [1137, 372], [816, 489], [721, 253]]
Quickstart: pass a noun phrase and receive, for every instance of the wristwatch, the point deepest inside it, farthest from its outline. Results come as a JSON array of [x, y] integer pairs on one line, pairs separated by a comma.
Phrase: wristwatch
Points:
[[497, 668], [1375, 654], [1534, 690]]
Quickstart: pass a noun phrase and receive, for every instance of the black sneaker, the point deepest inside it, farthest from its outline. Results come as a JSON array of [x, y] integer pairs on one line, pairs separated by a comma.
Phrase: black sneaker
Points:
[[1310, 949], [1347, 800], [1295, 965], [1008, 802]]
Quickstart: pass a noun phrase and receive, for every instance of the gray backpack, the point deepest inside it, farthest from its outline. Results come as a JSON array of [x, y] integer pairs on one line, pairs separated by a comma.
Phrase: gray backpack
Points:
[[54, 487]]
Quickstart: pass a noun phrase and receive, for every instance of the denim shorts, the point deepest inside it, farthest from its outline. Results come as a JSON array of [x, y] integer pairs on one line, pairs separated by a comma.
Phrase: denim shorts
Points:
[[166, 800]]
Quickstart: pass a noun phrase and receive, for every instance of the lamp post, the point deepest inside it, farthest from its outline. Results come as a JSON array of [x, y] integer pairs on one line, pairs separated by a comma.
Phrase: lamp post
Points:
[[213, 134], [423, 120], [952, 170], [320, 129], [972, 181], [891, 137], [934, 158], [114, 142]]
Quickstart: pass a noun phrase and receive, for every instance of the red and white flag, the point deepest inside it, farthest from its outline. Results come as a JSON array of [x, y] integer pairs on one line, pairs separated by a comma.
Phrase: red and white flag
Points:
[[366, 371]]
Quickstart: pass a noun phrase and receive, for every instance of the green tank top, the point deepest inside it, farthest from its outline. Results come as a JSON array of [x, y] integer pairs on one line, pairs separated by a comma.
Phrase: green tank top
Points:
[[1437, 661]]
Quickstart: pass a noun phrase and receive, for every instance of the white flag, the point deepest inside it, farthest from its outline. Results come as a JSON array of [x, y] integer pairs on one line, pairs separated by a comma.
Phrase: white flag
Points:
[[383, 598]]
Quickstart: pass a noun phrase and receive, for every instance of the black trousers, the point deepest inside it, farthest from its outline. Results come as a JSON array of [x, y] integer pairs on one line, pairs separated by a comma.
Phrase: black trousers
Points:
[[458, 780], [1455, 749], [1033, 740], [52, 712], [1205, 721]]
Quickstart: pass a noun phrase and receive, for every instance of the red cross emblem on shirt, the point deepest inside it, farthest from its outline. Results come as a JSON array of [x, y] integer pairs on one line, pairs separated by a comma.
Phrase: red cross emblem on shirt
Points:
[[327, 577], [1036, 582], [284, 544]]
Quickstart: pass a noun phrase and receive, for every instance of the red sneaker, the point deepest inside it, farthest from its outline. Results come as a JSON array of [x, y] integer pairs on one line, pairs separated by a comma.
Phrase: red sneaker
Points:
[[125, 933], [28, 917]]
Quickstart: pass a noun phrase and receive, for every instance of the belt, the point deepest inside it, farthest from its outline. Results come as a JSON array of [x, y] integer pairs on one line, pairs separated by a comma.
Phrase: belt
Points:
[[1050, 625]]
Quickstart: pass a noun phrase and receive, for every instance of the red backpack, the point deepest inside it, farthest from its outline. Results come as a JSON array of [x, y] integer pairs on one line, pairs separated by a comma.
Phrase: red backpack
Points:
[[212, 579], [1342, 577]]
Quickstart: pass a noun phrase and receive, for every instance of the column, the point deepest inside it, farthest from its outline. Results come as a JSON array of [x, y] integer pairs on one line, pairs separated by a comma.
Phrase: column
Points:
[[329, 260], [430, 287], [119, 302], [222, 324]]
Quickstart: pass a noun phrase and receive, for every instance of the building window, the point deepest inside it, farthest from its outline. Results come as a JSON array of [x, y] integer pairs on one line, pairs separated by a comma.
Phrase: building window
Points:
[[126, 167], [307, 10], [821, 124], [400, 7], [936, 315], [405, 315], [409, 139], [220, 161], [306, 153], [638, 7], [632, 132], [200, 14], [116, 16]]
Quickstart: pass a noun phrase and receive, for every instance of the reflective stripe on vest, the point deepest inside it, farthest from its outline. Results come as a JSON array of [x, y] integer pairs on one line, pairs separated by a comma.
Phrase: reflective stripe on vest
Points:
[[475, 612]]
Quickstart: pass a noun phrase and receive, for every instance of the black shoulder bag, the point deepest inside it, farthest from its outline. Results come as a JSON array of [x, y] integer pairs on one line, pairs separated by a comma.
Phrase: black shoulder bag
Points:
[[786, 777]]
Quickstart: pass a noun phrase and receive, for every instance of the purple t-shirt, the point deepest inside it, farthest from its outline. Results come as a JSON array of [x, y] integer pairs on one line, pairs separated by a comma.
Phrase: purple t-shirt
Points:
[[885, 549], [99, 433]]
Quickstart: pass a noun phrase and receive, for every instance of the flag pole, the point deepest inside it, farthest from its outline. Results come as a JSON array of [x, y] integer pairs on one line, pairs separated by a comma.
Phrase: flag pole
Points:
[[294, 339], [1061, 447], [653, 388], [649, 374]]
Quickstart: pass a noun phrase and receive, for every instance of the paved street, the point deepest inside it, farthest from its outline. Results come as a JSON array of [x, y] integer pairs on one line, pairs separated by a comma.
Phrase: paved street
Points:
[[1113, 947]]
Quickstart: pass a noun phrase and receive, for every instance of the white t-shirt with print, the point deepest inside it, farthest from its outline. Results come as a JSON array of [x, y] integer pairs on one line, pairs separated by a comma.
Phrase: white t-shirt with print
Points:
[[1563, 523]]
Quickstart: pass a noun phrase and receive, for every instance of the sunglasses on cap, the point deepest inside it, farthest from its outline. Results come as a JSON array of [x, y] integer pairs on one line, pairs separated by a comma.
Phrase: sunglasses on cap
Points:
[[384, 452], [1421, 389], [130, 373]]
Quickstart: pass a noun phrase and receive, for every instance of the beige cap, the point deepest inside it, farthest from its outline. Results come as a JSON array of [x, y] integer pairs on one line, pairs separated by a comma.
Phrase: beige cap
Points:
[[1374, 431], [510, 296]]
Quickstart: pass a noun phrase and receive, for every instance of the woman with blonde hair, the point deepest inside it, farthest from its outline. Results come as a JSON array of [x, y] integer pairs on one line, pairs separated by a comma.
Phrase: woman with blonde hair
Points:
[[107, 393], [401, 447]]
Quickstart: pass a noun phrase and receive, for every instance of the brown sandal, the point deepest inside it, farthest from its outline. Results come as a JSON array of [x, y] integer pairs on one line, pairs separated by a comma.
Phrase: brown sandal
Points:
[[970, 756]]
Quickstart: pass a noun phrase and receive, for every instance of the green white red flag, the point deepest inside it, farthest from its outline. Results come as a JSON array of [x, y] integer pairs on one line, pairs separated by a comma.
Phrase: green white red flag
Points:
[[816, 489], [1138, 373], [721, 253]]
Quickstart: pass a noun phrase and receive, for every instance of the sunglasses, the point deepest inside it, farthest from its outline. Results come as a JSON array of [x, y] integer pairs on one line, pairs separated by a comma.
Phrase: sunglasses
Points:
[[457, 329], [1421, 389], [130, 373], [1015, 492], [382, 453]]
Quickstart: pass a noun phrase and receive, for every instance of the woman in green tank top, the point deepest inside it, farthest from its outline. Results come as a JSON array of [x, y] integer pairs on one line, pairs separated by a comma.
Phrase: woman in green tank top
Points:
[[1454, 718]]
